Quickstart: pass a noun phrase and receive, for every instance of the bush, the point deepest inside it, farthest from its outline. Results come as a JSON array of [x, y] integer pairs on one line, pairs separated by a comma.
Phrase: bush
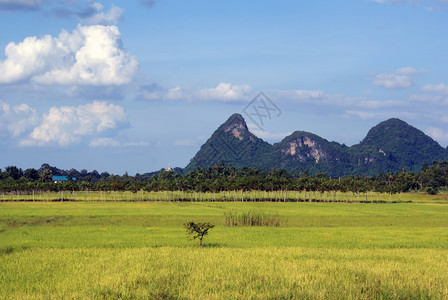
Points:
[[432, 190]]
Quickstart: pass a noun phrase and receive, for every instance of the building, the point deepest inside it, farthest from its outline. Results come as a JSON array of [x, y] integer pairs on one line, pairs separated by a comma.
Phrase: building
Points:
[[58, 179]]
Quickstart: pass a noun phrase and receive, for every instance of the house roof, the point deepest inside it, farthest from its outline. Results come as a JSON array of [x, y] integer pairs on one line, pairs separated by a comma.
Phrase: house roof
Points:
[[62, 178]]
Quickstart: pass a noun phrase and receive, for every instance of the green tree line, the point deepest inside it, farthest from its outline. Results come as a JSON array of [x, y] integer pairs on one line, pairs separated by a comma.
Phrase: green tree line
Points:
[[220, 178]]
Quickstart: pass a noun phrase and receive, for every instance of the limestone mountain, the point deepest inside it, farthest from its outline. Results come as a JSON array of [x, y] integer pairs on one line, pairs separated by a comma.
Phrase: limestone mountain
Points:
[[304, 151], [232, 143], [393, 144], [388, 147]]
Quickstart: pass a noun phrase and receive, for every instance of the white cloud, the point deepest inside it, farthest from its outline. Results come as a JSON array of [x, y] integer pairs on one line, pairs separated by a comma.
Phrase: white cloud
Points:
[[110, 142], [17, 119], [104, 142], [426, 98], [364, 114], [437, 134], [224, 92], [374, 104], [321, 98], [113, 16], [243, 93], [266, 135], [399, 79], [176, 93], [68, 124], [436, 88], [432, 93], [379, 114], [407, 71], [299, 95], [393, 81], [90, 55]]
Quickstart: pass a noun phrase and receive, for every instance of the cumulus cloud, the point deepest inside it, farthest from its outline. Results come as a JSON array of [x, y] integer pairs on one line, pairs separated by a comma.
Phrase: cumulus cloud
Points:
[[20, 4], [90, 55], [67, 125], [16, 120]]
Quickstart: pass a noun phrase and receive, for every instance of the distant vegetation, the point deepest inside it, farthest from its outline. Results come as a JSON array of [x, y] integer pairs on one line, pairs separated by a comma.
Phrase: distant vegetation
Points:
[[225, 180]]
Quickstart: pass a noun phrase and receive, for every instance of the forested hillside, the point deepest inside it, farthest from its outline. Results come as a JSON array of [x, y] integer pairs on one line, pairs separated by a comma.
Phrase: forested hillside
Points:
[[390, 146]]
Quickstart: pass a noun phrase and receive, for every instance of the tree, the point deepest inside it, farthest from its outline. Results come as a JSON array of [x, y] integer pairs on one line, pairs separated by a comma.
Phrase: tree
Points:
[[46, 175], [198, 230], [31, 174], [14, 172]]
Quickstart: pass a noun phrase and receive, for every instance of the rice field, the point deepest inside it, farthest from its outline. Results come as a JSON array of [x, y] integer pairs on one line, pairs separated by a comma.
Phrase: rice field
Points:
[[140, 250]]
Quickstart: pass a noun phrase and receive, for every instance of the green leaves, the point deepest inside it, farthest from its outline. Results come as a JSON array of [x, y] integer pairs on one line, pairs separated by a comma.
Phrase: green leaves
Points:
[[198, 230]]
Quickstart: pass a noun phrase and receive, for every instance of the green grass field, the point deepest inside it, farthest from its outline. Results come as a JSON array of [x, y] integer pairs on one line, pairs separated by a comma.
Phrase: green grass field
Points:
[[129, 250]]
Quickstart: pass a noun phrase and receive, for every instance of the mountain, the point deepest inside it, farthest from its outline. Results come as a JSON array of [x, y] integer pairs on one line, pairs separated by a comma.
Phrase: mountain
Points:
[[390, 146], [403, 144], [231, 143], [304, 151]]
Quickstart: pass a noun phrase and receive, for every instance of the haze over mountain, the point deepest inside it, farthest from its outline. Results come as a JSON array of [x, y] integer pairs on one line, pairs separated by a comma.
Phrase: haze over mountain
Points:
[[390, 146]]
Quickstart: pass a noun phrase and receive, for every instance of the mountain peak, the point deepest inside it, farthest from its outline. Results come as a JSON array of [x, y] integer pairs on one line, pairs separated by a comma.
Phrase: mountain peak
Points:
[[232, 143], [235, 119], [394, 132], [236, 125], [389, 146]]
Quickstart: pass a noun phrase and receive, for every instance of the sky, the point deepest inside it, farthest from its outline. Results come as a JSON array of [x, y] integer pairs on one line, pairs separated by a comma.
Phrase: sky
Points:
[[134, 86]]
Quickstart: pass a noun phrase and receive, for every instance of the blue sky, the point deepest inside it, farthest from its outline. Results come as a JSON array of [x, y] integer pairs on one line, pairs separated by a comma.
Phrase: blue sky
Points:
[[136, 85]]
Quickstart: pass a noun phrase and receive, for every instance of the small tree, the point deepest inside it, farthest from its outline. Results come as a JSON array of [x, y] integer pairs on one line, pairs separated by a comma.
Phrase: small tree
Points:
[[198, 230]]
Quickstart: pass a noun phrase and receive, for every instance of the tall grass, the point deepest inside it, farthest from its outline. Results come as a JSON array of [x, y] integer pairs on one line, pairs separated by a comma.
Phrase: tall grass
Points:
[[251, 218], [224, 273]]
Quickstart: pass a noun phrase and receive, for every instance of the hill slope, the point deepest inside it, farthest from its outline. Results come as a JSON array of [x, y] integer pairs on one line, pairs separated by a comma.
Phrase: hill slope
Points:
[[388, 147], [231, 143]]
